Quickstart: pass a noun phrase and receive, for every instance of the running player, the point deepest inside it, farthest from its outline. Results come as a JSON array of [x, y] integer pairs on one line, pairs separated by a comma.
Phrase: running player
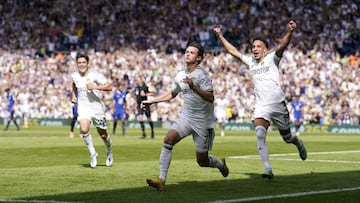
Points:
[[196, 119], [270, 99], [88, 86]]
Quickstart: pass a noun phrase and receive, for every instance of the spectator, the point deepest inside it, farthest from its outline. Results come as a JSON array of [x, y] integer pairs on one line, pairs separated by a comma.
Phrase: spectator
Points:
[[32, 28]]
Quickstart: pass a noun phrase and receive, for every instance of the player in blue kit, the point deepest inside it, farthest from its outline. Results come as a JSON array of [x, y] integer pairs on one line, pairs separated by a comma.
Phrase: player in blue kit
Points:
[[297, 113], [119, 108], [270, 103], [74, 118], [11, 109]]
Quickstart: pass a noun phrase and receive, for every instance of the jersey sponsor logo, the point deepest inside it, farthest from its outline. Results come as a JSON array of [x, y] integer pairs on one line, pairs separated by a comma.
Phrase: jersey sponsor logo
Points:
[[82, 89], [261, 70]]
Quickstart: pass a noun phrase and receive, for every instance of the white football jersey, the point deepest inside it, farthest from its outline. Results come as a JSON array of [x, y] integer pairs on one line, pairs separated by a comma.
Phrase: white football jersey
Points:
[[23, 99], [195, 108], [265, 76], [220, 109], [89, 100]]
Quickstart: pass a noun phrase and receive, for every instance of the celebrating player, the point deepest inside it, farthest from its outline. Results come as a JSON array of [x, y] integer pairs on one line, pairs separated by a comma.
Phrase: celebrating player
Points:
[[196, 119], [270, 99], [88, 86]]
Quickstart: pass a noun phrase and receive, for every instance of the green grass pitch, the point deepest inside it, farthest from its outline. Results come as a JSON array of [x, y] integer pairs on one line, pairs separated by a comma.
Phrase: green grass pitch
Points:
[[42, 164]]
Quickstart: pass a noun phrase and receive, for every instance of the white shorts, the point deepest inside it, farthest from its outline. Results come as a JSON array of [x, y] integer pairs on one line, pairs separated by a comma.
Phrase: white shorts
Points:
[[277, 113], [24, 108], [203, 138], [95, 114], [221, 116]]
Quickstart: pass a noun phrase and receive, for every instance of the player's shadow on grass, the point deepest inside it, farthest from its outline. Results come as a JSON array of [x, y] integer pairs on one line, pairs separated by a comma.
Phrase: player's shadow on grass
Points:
[[206, 191], [88, 165]]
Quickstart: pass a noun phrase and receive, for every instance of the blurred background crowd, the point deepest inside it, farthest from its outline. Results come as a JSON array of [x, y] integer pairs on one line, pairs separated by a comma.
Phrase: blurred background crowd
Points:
[[130, 38]]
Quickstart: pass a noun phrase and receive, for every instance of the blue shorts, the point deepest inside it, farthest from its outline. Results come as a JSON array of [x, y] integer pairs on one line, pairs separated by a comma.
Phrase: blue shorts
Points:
[[120, 114]]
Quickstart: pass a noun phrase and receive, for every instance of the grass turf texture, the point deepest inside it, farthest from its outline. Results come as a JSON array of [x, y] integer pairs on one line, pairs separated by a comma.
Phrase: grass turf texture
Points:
[[43, 163]]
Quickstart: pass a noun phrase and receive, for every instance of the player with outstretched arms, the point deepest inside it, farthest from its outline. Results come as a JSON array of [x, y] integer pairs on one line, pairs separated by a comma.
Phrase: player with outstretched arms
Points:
[[196, 118], [270, 103]]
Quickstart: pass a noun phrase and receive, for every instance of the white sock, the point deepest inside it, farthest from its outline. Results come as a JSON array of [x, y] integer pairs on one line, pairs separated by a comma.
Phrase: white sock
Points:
[[165, 159], [89, 143], [262, 147], [25, 120], [215, 162]]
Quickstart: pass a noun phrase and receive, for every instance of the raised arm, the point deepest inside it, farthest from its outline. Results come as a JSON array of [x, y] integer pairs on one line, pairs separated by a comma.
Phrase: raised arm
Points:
[[286, 39], [227, 45]]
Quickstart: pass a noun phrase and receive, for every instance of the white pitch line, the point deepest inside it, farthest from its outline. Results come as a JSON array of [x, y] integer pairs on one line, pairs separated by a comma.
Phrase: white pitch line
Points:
[[299, 160], [319, 160], [248, 199], [293, 154]]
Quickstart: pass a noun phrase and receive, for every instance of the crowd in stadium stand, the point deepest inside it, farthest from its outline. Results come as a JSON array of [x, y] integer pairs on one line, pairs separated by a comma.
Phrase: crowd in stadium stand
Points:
[[126, 39]]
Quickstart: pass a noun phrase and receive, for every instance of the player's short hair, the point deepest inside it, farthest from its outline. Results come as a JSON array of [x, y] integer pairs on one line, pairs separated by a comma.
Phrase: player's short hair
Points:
[[199, 47], [82, 55], [261, 38]]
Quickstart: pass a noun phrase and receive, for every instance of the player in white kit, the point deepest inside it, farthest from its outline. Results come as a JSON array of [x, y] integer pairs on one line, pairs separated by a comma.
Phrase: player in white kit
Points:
[[221, 104], [270, 103], [88, 85], [196, 118], [24, 107]]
